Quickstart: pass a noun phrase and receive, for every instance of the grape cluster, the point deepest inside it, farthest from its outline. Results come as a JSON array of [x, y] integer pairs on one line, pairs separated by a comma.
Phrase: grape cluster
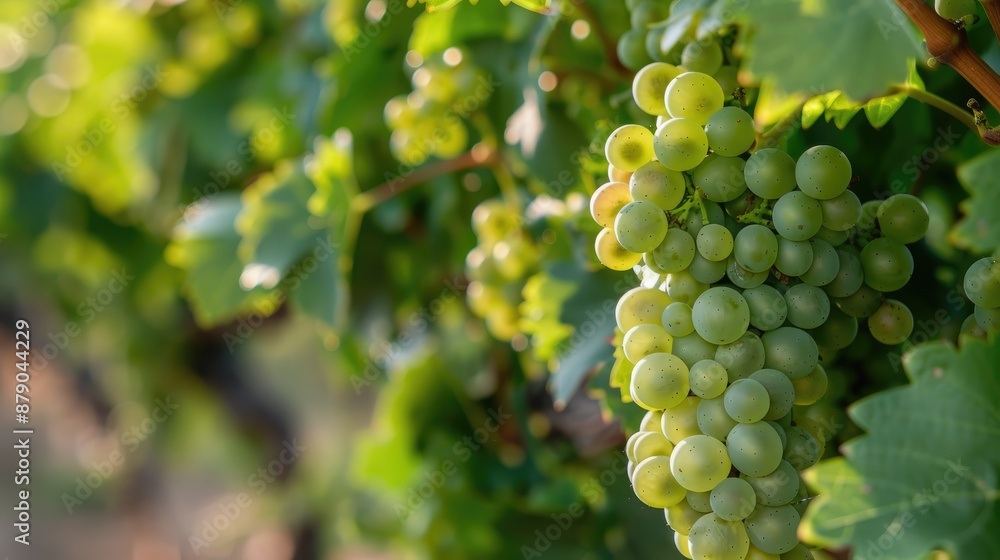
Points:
[[982, 287], [752, 265], [429, 121]]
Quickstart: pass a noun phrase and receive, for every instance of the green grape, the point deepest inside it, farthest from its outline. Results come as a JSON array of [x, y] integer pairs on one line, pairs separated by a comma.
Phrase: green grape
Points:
[[811, 388], [683, 545], [714, 538], [987, 319], [650, 85], [726, 76], [654, 485], [695, 221], [616, 175], [861, 303], [773, 529], [630, 445], [887, 263], [492, 220], [869, 213], [708, 379], [681, 421], [850, 276], [695, 96], [834, 238], [650, 444], [720, 315], [715, 243], [891, 323], [755, 449], [651, 421], [755, 248], [699, 463], [733, 499], [629, 147], [657, 184], [648, 13], [720, 178], [702, 56], [713, 420], [676, 251], [799, 501], [700, 501], [779, 428], [823, 172], [706, 271], [450, 138], [767, 307], [777, 488], [955, 10], [757, 554], [632, 49], [680, 144], [819, 431], [640, 226], [630, 470], [654, 48], [794, 257], [611, 253], [970, 327], [742, 277], [681, 286], [825, 265], [747, 401], [650, 262], [640, 306], [744, 204], [681, 517], [982, 283], [800, 552], [797, 216], [802, 450], [841, 212], [643, 340], [676, 319], [838, 332], [660, 381], [692, 349], [808, 306], [791, 351], [607, 201], [780, 392], [742, 357], [770, 173], [730, 132]]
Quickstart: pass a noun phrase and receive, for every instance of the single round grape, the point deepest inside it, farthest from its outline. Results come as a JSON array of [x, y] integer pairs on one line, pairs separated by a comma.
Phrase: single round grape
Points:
[[780, 392], [699, 463], [970, 327], [747, 401], [733, 499], [903, 217], [869, 213], [770, 173], [700, 501], [720, 178], [702, 56], [640, 306], [695, 96], [808, 306], [797, 216], [640, 226], [800, 552], [714, 538], [802, 450], [744, 204], [713, 420], [742, 357], [650, 85], [850, 275], [755, 449], [834, 238], [654, 485], [820, 432], [841, 212], [757, 554], [694, 221], [715, 242], [681, 421], [649, 261], [773, 529], [791, 351], [777, 488], [954, 10], [680, 144], [660, 381], [706, 271], [629, 147], [675, 252], [647, 13], [676, 319], [794, 257], [651, 421], [730, 132], [630, 445], [982, 283], [887, 263], [631, 49], [768, 309], [811, 388], [681, 517], [823, 172], [861, 303], [837, 333], [607, 201], [892, 322], [755, 248], [650, 444], [683, 546], [611, 253], [987, 319], [825, 265], [655, 183], [708, 379], [727, 78], [720, 315], [654, 47], [681, 286], [692, 348], [743, 278], [643, 340], [616, 175]]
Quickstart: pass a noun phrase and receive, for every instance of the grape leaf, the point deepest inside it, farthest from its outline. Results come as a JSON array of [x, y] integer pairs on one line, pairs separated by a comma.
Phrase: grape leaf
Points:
[[925, 474], [979, 230], [860, 47]]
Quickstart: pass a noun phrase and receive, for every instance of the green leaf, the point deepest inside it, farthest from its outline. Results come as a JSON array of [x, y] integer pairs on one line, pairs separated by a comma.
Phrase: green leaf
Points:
[[979, 230], [881, 109], [816, 107], [841, 111], [925, 474], [860, 47]]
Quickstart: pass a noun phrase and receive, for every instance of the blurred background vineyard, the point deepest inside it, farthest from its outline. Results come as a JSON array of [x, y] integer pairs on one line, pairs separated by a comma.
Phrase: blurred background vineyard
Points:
[[314, 279]]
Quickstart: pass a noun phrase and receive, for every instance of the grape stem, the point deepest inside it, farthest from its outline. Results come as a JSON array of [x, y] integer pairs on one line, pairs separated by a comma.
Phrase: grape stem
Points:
[[937, 102], [992, 8], [948, 43]]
